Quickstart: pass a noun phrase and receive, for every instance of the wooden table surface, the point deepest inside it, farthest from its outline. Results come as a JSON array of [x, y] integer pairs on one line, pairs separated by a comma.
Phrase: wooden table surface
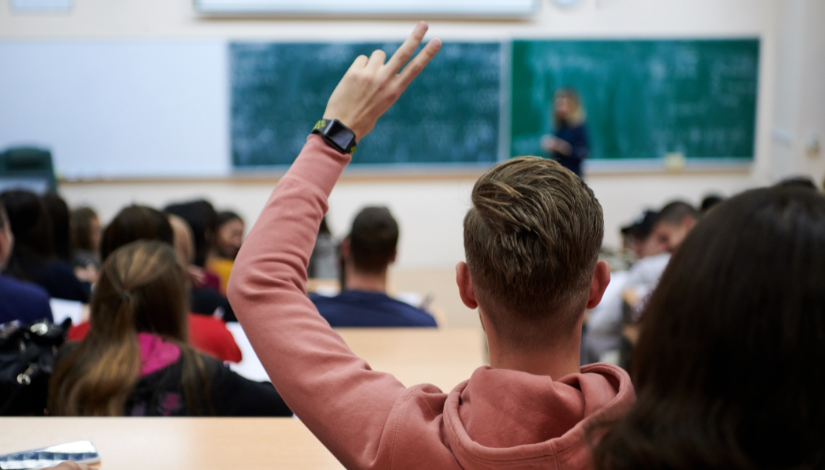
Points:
[[177, 443], [443, 357]]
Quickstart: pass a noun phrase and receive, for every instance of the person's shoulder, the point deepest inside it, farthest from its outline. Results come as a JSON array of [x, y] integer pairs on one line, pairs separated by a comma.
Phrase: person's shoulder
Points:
[[316, 297], [419, 316], [412, 315], [23, 301], [60, 268], [12, 286]]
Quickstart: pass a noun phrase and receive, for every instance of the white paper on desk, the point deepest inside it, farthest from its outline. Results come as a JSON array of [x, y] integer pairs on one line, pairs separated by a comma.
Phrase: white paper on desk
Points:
[[249, 367], [63, 309]]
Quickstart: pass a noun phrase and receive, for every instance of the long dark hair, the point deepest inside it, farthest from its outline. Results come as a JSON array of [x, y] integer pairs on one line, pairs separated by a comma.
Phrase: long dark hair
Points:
[[142, 288], [59, 216], [202, 219], [32, 229], [730, 366]]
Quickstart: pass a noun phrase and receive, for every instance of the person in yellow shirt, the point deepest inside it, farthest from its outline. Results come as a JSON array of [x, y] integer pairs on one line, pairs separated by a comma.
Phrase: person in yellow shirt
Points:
[[228, 240]]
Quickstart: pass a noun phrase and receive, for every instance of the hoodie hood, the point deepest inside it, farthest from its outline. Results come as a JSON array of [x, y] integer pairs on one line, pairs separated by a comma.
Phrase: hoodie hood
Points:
[[508, 419]]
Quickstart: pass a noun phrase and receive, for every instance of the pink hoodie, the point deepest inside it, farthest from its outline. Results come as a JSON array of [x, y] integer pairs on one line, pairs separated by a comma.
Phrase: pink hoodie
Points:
[[368, 419]]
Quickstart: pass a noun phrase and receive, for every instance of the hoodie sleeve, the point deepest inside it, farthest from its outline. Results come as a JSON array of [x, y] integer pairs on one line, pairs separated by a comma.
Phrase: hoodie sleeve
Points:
[[341, 400]]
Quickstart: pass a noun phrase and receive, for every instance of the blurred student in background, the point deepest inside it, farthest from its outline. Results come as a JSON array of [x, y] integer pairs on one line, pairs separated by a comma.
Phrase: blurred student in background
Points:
[[604, 324], [228, 240], [19, 300], [202, 300], [206, 294], [202, 220], [709, 202], [85, 242], [133, 223], [728, 368], [136, 360], [802, 182], [325, 262], [230, 230], [674, 222], [368, 251], [569, 144], [61, 221], [33, 258]]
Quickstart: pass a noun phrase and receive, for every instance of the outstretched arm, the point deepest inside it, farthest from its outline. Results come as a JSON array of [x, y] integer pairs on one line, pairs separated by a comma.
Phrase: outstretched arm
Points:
[[336, 394]]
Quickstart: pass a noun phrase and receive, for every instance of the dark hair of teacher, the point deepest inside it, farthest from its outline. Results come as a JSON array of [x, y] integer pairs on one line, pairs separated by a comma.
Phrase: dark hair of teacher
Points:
[[569, 143]]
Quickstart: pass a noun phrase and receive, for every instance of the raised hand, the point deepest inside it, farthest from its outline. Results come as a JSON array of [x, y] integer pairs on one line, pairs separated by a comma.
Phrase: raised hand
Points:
[[370, 86]]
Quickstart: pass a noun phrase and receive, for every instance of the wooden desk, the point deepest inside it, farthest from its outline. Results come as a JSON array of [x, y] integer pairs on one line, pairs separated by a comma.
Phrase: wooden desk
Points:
[[443, 357], [178, 443]]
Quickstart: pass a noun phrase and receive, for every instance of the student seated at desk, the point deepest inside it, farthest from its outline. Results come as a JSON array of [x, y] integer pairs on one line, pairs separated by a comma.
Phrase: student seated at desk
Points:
[[33, 258], [85, 243], [136, 360], [21, 301], [229, 233], [205, 295], [729, 364], [532, 239], [674, 222], [604, 324], [206, 333], [368, 251]]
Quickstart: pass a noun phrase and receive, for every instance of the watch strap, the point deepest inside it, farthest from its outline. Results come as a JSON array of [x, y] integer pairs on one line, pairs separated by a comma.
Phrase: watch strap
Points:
[[336, 135]]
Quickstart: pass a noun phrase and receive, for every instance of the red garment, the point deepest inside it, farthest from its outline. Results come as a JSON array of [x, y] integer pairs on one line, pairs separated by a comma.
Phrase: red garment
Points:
[[206, 334], [499, 418]]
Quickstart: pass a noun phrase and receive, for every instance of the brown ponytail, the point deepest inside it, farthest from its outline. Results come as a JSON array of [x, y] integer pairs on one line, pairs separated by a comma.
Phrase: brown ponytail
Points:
[[142, 288]]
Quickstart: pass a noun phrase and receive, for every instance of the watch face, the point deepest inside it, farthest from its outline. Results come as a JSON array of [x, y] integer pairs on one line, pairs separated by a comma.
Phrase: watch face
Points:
[[339, 134]]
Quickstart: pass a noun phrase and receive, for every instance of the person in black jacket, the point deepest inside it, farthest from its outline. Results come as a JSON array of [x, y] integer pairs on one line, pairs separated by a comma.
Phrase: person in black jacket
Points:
[[569, 144], [136, 361], [33, 258]]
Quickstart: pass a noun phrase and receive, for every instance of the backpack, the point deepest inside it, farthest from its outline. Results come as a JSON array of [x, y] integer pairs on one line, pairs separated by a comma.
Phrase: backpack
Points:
[[27, 354]]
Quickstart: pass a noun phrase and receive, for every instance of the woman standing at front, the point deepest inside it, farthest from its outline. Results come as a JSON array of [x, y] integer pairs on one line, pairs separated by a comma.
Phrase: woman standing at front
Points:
[[569, 145]]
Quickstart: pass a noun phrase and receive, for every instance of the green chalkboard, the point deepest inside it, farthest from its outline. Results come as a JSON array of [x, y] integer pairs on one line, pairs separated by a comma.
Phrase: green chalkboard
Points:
[[643, 98], [448, 115]]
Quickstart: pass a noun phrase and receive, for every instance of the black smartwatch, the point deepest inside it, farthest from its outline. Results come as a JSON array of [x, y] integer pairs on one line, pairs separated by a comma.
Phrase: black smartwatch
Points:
[[336, 135]]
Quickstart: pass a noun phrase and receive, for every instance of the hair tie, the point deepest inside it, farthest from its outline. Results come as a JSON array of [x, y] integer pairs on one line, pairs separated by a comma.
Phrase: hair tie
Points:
[[126, 296]]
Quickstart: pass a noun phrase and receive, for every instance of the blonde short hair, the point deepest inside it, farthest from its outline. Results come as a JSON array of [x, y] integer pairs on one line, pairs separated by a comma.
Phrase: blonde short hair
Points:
[[532, 240]]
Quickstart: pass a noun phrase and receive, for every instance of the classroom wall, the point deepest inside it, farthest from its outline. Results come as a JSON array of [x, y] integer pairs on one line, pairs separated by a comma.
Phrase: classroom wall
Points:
[[790, 99], [799, 110]]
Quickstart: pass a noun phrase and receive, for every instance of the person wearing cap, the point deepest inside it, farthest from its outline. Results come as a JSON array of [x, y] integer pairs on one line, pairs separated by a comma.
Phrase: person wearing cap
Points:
[[604, 324]]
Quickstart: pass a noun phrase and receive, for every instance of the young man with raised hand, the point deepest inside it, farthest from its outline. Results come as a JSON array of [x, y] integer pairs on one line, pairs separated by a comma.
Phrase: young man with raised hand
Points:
[[532, 240]]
